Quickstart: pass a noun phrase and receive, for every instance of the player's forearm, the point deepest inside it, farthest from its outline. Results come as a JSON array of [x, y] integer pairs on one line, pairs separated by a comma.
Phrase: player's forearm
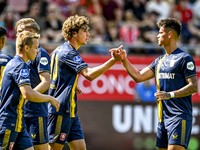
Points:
[[29, 94], [131, 70], [42, 87], [35, 96], [187, 90], [93, 73]]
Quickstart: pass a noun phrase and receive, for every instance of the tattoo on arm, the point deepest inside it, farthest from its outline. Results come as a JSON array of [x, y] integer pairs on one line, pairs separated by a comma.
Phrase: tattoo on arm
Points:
[[190, 88]]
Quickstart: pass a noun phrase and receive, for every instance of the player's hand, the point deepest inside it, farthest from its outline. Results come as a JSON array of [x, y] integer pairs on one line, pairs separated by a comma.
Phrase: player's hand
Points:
[[119, 49], [78, 90], [55, 103], [162, 95], [118, 54]]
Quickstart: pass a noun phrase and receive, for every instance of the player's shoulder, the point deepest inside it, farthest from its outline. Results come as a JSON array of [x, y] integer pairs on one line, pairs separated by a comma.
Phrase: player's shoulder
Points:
[[42, 50], [182, 54], [5, 56], [16, 63], [64, 50], [159, 57], [179, 51]]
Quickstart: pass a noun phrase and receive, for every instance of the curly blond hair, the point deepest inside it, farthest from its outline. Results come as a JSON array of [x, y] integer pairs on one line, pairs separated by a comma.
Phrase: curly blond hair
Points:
[[25, 38], [28, 23], [73, 24]]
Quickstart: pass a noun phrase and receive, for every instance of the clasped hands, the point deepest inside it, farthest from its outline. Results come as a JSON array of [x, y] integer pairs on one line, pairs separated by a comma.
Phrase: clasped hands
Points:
[[118, 54]]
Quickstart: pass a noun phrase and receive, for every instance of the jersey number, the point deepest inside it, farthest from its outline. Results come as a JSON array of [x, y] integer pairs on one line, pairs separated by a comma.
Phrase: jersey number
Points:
[[54, 69]]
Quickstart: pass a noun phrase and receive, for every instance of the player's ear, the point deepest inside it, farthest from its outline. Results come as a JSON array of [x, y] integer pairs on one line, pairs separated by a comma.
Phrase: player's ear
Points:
[[4, 40], [170, 34], [26, 48], [74, 34]]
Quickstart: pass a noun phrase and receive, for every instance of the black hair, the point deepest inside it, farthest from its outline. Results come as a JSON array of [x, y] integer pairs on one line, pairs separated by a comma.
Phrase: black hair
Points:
[[171, 23], [3, 31]]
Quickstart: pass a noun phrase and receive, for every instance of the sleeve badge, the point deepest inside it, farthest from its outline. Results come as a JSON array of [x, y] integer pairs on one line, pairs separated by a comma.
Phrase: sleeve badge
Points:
[[78, 59], [190, 65], [24, 73], [44, 61]]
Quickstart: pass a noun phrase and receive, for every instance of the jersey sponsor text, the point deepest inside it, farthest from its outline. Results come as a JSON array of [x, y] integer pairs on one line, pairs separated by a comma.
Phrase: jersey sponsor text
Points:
[[165, 75]]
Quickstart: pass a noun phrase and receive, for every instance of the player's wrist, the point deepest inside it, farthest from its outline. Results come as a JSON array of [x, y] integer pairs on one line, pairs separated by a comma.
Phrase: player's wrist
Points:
[[172, 95], [112, 59], [123, 60]]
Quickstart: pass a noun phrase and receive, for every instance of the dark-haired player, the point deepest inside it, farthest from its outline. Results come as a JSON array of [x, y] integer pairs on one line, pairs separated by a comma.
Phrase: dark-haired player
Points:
[[4, 59], [176, 80]]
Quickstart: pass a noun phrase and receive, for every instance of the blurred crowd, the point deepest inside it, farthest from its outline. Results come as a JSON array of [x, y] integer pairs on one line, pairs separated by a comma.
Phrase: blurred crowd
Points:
[[127, 21]]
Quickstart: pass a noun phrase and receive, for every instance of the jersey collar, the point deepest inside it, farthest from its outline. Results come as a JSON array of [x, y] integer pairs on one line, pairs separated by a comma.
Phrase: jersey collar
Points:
[[18, 57], [70, 45]]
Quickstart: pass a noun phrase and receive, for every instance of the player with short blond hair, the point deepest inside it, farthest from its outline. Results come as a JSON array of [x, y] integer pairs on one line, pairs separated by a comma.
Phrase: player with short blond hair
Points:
[[36, 114], [15, 88]]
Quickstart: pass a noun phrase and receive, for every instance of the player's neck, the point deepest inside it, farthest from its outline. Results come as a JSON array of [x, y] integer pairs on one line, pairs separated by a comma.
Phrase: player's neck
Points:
[[74, 43], [23, 56], [170, 48]]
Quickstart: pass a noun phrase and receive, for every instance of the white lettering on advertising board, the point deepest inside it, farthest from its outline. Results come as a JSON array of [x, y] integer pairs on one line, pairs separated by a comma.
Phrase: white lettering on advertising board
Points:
[[141, 119]]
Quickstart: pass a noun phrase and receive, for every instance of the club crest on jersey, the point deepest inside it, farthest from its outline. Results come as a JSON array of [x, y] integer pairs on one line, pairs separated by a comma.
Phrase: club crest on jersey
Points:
[[172, 62], [174, 136], [24, 73], [44, 61], [11, 145], [62, 136], [77, 59], [190, 65]]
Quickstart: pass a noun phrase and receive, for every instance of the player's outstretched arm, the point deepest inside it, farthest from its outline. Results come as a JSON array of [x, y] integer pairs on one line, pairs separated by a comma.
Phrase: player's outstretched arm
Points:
[[138, 76], [92, 73], [29, 94]]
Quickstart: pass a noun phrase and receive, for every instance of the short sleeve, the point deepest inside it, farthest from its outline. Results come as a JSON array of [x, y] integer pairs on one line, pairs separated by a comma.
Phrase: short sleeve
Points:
[[21, 75], [74, 61], [152, 66], [43, 62], [188, 66]]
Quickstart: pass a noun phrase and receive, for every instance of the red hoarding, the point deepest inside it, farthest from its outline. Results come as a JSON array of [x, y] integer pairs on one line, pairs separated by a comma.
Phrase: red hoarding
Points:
[[116, 84]]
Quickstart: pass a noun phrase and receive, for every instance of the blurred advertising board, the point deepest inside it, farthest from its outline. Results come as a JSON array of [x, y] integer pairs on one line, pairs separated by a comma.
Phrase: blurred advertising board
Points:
[[126, 125], [115, 84]]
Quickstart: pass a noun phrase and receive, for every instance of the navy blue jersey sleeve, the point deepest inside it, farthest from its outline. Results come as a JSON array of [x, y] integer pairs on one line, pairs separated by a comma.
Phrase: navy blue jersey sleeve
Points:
[[21, 75], [152, 66], [10, 57], [73, 60], [188, 66], [43, 62]]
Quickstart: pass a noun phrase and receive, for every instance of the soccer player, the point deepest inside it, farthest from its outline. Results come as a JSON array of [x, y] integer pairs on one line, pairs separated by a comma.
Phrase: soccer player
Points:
[[15, 89], [176, 80], [36, 114], [66, 65], [4, 59]]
